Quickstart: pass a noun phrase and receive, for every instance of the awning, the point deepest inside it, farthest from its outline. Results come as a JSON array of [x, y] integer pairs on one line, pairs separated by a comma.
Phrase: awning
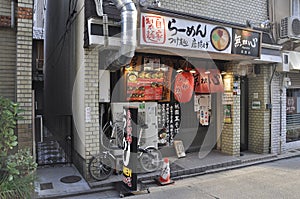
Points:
[[294, 60], [269, 54]]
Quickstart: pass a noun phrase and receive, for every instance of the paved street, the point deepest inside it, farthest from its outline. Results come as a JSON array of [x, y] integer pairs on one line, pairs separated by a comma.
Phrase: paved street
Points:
[[278, 179]]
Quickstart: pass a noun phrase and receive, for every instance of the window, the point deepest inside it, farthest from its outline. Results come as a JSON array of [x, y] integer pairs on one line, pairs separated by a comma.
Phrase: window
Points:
[[293, 115]]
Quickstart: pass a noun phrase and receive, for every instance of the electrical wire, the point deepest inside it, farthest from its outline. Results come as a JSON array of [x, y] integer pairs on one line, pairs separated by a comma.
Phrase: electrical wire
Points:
[[71, 19]]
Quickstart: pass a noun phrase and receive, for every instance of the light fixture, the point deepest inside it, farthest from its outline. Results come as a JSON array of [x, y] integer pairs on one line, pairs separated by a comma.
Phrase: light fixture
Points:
[[264, 25], [223, 73], [179, 70], [192, 71], [207, 72]]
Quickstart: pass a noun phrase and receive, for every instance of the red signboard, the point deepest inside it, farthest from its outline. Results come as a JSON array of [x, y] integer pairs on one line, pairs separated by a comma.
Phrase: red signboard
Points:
[[208, 81]]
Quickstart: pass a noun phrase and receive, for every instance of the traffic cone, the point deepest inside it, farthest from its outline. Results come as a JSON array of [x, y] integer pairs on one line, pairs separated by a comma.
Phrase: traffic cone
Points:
[[165, 175]]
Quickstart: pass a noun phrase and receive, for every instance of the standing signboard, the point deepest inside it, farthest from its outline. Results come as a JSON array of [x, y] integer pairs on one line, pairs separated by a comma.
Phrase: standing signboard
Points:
[[130, 150]]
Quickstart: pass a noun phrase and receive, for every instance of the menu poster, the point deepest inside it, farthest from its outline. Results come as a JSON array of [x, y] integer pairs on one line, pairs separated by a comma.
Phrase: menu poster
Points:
[[169, 117], [150, 81]]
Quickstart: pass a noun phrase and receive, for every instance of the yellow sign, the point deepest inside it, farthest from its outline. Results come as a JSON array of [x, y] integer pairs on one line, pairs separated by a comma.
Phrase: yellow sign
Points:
[[127, 171]]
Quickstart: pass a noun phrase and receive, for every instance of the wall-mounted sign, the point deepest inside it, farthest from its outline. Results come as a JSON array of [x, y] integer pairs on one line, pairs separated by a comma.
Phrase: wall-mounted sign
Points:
[[157, 30], [246, 43], [227, 114], [256, 105], [227, 98], [172, 32]]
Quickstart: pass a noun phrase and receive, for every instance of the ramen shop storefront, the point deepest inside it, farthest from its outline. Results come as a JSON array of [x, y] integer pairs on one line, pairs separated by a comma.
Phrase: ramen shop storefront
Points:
[[177, 70]]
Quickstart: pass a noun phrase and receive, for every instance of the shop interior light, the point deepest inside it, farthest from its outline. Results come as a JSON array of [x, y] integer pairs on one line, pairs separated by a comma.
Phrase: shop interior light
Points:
[[223, 73], [207, 72], [179, 70], [193, 71]]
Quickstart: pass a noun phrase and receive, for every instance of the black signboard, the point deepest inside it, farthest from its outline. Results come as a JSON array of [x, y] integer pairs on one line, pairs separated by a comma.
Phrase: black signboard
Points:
[[130, 149], [169, 119], [246, 42]]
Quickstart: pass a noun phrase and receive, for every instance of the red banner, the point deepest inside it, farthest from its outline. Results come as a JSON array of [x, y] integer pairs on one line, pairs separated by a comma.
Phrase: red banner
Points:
[[208, 81]]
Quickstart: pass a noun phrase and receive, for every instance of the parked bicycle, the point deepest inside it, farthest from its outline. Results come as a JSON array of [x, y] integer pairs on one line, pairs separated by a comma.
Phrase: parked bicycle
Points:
[[150, 158], [102, 165]]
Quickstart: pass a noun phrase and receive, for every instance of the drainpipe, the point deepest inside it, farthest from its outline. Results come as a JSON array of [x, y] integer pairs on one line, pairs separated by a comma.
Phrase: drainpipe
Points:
[[128, 35], [270, 107], [12, 12]]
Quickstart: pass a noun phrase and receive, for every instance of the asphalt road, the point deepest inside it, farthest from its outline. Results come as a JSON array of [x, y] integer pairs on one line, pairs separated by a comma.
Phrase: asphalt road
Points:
[[280, 179]]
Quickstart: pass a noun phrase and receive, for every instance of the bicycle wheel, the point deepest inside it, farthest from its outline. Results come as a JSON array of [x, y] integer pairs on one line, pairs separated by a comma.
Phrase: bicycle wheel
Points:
[[101, 166], [118, 134], [151, 159]]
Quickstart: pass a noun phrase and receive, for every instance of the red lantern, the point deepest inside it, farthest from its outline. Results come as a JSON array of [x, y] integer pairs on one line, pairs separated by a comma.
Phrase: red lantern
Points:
[[184, 87]]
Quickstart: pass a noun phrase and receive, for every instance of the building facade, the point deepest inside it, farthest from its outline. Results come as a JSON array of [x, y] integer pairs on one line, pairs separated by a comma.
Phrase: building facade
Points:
[[87, 69], [15, 62]]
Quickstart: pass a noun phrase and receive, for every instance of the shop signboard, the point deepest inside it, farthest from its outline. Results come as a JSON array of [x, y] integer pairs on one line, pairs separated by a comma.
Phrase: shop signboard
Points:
[[246, 42], [130, 149], [173, 32], [158, 30]]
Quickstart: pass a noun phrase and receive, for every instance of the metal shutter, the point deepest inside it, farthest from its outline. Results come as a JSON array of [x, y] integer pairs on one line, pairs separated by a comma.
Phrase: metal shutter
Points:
[[7, 63]]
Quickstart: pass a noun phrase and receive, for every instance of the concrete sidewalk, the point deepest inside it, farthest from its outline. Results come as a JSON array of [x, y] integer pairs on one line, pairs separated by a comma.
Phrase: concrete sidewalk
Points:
[[189, 166]]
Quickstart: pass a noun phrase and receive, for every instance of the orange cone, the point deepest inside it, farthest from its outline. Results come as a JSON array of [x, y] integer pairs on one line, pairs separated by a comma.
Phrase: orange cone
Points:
[[165, 175]]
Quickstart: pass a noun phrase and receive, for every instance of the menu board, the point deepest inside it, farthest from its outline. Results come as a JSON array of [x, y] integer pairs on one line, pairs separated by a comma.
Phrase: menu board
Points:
[[149, 81]]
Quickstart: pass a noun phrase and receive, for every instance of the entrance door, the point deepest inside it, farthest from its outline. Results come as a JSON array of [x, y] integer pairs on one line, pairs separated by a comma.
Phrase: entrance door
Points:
[[244, 114]]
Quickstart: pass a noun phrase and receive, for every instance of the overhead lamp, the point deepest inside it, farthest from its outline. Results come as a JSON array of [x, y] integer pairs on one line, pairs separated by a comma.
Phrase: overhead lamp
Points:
[[193, 71], [207, 72], [179, 70], [264, 25], [223, 73]]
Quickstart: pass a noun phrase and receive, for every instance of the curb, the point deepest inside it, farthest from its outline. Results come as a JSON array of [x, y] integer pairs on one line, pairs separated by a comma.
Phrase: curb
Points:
[[182, 174]]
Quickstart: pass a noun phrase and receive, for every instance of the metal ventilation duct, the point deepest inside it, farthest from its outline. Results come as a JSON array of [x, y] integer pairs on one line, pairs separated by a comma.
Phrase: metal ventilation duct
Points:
[[128, 35]]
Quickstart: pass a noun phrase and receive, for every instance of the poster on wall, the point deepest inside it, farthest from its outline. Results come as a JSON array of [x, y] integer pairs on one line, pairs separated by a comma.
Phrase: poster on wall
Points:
[[227, 98], [148, 82], [227, 114], [169, 118], [291, 105], [202, 105]]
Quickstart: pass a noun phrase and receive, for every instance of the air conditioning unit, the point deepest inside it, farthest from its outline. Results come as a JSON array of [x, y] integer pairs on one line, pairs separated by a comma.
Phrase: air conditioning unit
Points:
[[97, 31], [290, 27]]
